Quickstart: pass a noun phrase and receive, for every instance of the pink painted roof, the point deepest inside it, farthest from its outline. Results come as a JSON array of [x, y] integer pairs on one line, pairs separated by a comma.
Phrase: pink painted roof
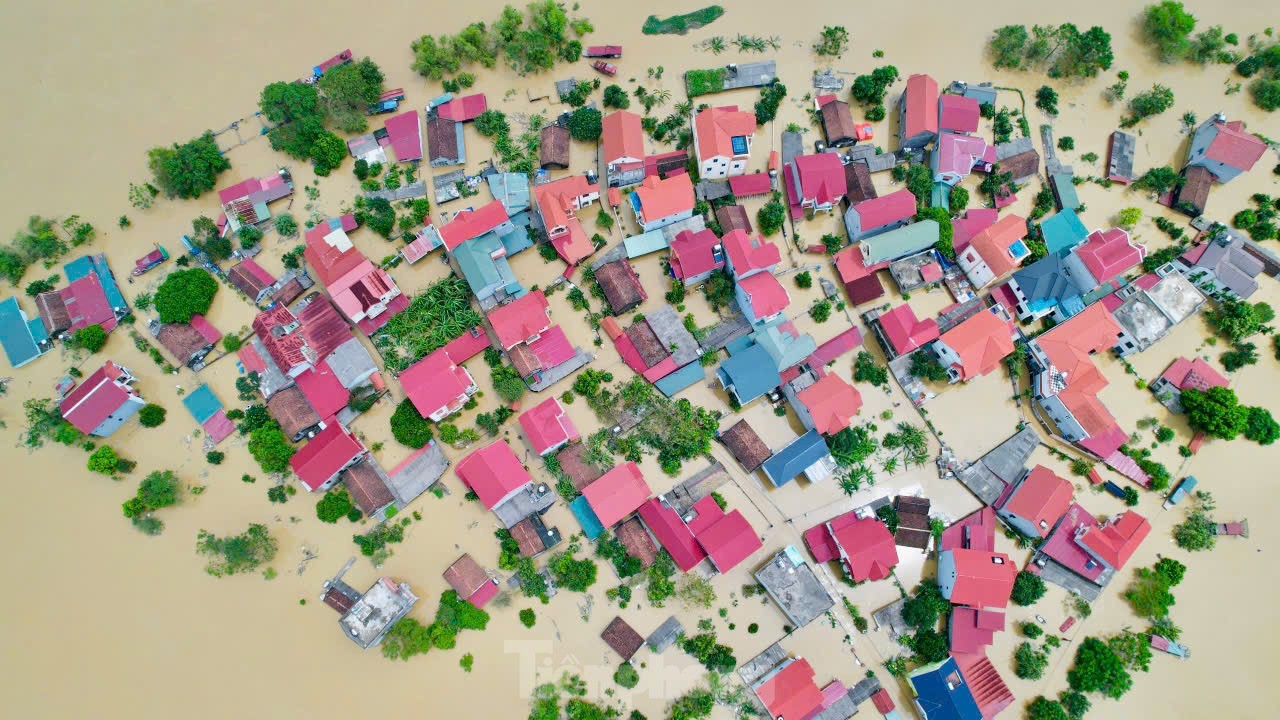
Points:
[[405, 133], [729, 540], [921, 98], [1234, 146], [547, 426], [820, 543], [693, 253], [981, 341], [989, 690], [791, 692], [931, 272], [975, 220], [1116, 540], [552, 347], [323, 390], [87, 304], [976, 531], [327, 453], [994, 242], [766, 294], [959, 153], [866, 546], [958, 113], [750, 184], [493, 472], [1062, 547], [95, 399], [749, 252], [672, 534], [983, 579], [971, 630], [883, 701], [573, 246], [1041, 499], [332, 259], [469, 224], [1195, 373], [257, 271], [253, 362], [905, 331], [435, 382], [218, 426], [617, 493], [520, 320], [207, 331], [1108, 253], [843, 343], [467, 345], [886, 209], [821, 177], [832, 403], [370, 325], [464, 108]]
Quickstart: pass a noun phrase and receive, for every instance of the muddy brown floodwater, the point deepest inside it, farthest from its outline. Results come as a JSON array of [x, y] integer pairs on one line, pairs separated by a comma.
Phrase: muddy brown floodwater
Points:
[[101, 621]]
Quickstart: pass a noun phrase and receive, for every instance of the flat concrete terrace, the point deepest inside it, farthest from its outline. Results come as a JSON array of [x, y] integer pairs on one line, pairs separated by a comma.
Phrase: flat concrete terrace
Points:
[[669, 327], [793, 585], [749, 75], [407, 192], [535, 499], [1058, 574], [553, 375], [683, 496]]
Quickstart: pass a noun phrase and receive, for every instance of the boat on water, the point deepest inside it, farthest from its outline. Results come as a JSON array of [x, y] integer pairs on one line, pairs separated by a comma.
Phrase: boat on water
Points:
[[150, 260], [605, 68], [1164, 644], [1181, 492]]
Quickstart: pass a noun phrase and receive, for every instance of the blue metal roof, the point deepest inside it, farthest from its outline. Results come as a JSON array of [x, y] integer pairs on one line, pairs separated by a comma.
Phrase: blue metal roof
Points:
[[689, 375], [751, 373], [943, 694], [1063, 231], [791, 460], [16, 334], [202, 403], [591, 525]]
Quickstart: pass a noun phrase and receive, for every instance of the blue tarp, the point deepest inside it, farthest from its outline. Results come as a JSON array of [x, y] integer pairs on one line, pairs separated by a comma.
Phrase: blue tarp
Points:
[[202, 403], [591, 526], [687, 376]]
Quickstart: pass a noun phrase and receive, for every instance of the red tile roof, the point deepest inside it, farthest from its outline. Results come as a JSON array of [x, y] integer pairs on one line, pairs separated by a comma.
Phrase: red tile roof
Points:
[[716, 127], [1042, 498], [547, 426], [468, 579], [467, 345], [1108, 253], [983, 579], [435, 382], [905, 331], [886, 209], [95, 399], [749, 252], [493, 472], [469, 224], [661, 198], [672, 534], [765, 293], [976, 531], [463, 109], [332, 449], [958, 154], [981, 341], [1234, 146], [518, 321], [330, 252], [882, 701], [750, 184], [617, 493], [1115, 541], [791, 693], [727, 537], [921, 98], [821, 177], [958, 113], [552, 347], [693, 254], [993, 243], [86, 303], [832, 403], [622, 137], [405, 133], [1195, 373]]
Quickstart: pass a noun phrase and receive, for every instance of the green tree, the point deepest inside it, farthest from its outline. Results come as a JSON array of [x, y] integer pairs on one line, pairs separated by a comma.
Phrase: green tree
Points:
[[1027, 589], [616, 97], [1076, 704], [1215, 412], [1042, 708], [1159, 180], [528, 618], [159, 489], [925, 365], [333, 506], [236, 554], [1028, 662], [959, 201], [929, 646], [185, 293], [348, 90], [870, 89], [151, 415], [188, 170], [1167, 26], [269, 446], [1130, 216], [1266, 93], [1098, 669], [1007, 46], [833, 41], [1047, 100], [571, 573], [1239, 319], [626, 676], [408, 426], [771, 216], [1261, 427], [214, 457], [1133, 649], [945, 231], [866, 369], [585, 124], [104, 460], [327, 152], [1146, 104], [91, 338], [1149, 593]]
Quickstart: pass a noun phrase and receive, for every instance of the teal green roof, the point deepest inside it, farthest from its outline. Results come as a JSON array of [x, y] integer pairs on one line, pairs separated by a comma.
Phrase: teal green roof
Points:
[[1066, 188], [645, 243], [901, 242], [941, 195], [1063, 231], [785, 348], [484, 273], [689, 375]]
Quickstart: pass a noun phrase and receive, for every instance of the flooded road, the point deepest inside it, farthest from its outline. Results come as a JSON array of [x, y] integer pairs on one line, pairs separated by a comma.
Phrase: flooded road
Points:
[[101, 621]]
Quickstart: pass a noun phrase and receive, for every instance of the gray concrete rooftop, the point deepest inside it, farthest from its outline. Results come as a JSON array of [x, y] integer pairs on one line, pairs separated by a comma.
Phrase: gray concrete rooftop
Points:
[[793, 585]]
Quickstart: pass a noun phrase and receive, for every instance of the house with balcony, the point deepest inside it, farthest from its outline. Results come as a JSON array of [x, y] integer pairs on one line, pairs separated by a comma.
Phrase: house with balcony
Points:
[[622, 149], [659, 202], [879, 215], [362, 291], [103, 401], [995, 251], [557, 205], [976, 346], [722, 141], [1224, 148], [815, 183]]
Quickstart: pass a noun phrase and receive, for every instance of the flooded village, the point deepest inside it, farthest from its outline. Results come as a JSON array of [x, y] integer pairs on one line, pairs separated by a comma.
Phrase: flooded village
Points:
[[589, 361]]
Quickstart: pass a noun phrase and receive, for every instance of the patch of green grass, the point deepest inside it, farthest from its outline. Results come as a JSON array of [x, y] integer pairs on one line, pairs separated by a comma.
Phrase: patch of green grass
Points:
[[704, 82], [681, 24]]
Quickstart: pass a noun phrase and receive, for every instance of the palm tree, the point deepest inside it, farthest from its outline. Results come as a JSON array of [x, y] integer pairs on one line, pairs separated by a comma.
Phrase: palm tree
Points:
[[684, 107], [660, 96]]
